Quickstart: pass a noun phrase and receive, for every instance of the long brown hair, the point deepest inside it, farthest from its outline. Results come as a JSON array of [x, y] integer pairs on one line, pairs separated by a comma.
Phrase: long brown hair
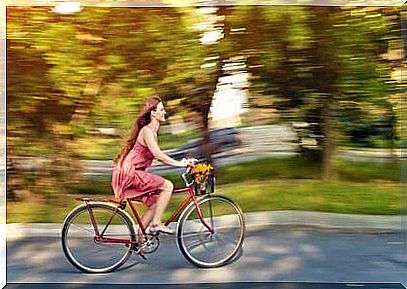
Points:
[[143, 120]]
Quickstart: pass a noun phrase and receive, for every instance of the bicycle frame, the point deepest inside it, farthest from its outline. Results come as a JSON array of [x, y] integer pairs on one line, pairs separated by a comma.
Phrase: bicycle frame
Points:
[[191, 197]]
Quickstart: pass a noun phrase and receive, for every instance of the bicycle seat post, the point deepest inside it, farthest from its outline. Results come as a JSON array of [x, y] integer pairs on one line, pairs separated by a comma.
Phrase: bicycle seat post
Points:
[[123, 204]]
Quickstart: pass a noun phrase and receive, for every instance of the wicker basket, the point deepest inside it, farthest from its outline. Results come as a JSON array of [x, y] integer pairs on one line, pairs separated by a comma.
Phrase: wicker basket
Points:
[[205, 187]]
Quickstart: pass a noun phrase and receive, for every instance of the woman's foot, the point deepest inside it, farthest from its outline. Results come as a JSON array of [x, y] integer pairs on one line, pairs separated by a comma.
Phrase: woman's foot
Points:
[[161, 229]]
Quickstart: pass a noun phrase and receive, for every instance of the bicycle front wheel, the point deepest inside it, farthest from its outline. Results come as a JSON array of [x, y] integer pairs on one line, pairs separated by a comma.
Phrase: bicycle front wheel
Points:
[[82, 248], [202, 247]]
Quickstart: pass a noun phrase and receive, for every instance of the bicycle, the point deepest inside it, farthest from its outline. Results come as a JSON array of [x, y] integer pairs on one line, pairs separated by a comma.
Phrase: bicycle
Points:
[[210, 230]]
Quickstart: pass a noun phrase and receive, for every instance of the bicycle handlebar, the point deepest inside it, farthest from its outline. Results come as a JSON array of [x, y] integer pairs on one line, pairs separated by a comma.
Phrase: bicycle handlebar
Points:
[[188, 170], [184, 176]]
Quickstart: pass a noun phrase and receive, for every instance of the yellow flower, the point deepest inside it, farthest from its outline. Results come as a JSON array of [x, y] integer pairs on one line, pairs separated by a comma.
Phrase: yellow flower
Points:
[[201, 172]]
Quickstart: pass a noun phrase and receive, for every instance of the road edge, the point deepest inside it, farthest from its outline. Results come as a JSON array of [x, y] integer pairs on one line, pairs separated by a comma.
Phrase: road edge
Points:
[[274, 218]]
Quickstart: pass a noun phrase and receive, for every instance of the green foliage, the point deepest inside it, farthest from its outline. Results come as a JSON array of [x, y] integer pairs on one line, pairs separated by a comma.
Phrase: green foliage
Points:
[[300, 56], [70, 74]]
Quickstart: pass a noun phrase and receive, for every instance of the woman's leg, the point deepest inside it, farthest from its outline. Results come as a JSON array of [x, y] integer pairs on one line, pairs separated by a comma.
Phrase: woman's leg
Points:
[[162, 202], [146, 220], [148, 216]]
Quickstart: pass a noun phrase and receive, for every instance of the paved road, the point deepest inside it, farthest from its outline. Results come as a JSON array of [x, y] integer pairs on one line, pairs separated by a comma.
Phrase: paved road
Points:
[[278, 253]]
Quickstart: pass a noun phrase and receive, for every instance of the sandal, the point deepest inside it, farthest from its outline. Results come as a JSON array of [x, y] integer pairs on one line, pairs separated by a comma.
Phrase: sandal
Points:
[[155, 229]]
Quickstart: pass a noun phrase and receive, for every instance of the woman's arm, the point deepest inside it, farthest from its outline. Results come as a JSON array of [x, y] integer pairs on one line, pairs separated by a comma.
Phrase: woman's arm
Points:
[[151, 143]]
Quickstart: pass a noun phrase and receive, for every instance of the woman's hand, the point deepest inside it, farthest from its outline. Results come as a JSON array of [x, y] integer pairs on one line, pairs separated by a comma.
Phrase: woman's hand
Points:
[[188, 162], [191, 162]]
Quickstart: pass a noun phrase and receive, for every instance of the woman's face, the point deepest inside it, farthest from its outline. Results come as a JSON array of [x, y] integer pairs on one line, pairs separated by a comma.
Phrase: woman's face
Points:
[[160, 112]]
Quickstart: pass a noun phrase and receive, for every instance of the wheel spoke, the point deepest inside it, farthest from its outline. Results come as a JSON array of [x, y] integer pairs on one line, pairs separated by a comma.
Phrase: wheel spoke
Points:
[[207, 249], [226, 237], [91, 231], [89, 255]]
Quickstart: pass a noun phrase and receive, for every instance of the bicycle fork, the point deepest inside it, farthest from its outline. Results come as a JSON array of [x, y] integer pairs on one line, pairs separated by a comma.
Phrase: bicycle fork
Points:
[[198, 208]]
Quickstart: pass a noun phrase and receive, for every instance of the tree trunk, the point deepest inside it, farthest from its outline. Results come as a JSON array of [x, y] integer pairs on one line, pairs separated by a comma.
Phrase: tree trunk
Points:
[[326, 75], [328, 145], [207, 147], [391, 134]]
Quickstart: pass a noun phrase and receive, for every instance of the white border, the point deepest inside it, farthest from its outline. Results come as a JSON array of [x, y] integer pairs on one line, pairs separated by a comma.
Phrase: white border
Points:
[[129, 3], [3, 63]]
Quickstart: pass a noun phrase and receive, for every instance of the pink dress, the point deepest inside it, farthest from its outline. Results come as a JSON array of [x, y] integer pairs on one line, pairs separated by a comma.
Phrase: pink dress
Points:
[[132, 181]]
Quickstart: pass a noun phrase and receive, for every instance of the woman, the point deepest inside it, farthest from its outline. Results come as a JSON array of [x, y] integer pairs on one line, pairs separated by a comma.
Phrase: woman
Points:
[[129, 178]]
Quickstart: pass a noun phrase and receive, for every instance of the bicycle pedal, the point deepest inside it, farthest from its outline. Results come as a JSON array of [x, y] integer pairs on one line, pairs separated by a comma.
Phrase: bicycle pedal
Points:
[[142, 256]]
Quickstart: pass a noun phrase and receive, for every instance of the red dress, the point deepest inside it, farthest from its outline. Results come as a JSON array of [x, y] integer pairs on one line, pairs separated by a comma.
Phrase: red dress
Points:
[[132, 181]]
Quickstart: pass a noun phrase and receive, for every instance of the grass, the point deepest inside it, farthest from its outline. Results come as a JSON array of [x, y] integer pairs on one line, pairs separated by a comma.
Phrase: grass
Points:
[[315, 195], [270, 168], [368, 171], [261, 185], [277, 194], [301, 168]]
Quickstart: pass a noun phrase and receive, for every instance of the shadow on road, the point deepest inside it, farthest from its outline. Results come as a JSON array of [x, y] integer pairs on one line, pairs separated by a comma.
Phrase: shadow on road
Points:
[[269, 254], [129, 266]]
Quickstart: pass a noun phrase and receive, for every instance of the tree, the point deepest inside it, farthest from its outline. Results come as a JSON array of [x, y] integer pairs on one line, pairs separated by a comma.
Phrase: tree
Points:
[[95, 68], [309, 63]]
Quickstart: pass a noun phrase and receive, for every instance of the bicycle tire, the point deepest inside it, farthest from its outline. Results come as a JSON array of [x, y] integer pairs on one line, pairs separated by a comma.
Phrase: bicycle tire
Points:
[[85, 232], [227, 219]]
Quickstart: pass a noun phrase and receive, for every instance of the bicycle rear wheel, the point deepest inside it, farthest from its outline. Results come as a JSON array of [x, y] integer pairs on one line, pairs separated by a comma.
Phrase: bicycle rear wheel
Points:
[[204, 248], [79, 238]]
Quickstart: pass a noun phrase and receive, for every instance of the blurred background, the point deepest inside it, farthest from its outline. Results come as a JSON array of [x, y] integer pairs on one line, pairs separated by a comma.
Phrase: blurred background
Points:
[[297, 108]]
